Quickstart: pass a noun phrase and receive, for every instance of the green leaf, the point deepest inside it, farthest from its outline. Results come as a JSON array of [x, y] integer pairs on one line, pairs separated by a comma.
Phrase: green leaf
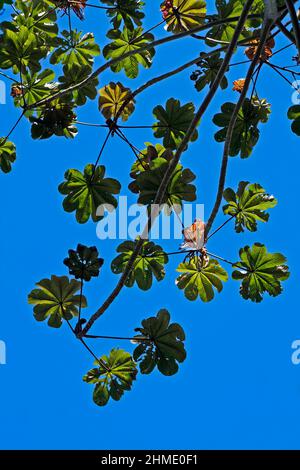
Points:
[[76, 49], [183, 15], [246, 132], [111, 99], [248, 205], [113, 379], [149, 262], [86, 191], [56, 118], [76, 74], [56, 299], [207, 72], [294, 115], [148, 179], [160, 344], [7, 154], [34, 87], [232, 9], [38, 16], [173, 121], [200, 277], [126, 41], [260, 272], [84, 262], [20, 51], [127, 11]]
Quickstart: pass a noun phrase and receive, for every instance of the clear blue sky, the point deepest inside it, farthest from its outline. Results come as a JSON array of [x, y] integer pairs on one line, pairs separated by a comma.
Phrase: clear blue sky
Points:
[[238, 387]]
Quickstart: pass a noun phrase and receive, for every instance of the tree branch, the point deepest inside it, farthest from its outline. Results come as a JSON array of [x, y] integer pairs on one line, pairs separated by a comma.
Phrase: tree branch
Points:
[[231, 126], [150, 45], [163, 186], [295, 23]]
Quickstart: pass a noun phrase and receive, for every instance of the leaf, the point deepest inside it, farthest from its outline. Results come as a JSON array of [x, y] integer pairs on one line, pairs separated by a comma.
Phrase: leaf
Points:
[[246, 132], [127, 11], [56, 299], [149, 262], [20, 51], [111, 99], [147, 181], [231, 9], [39, 17], [126, 41], [87, 191], [207, 72], [34, 87], [76, 49], [76, 74], [113, 379], [7, 154], [248, 205], [200, 278], [260, 272], [57, 118], [84, 263], [294, 115], [160, 344], [183, 15], [173, 121]]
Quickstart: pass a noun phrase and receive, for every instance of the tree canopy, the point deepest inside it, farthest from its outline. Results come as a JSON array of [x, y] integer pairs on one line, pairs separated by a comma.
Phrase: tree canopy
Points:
[[51, 67]]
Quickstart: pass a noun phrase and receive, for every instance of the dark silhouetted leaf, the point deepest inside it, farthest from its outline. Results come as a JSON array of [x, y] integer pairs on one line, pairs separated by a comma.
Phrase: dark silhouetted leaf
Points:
[[160, 344]]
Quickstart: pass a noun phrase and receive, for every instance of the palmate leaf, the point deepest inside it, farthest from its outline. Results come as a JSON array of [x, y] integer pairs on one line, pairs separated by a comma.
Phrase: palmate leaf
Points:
[[84, 262], [294, 115], [39, 16], [179, 189], [199, 279], [207, 72], [112, 97], [56, 299], [260, 272], [113, 379], [231, 9], [57, 118], [182, 15], [7, 154], [246, 132], [126, 41], [127, 11], [76, 74], [86, 192], [248, 205], [160, 344], [34, 87], [173, 121], [20, 51], [149, 262], [75, 48]]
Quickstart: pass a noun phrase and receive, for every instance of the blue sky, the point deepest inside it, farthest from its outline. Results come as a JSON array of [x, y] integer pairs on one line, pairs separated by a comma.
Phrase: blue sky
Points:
[[238, 387]]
